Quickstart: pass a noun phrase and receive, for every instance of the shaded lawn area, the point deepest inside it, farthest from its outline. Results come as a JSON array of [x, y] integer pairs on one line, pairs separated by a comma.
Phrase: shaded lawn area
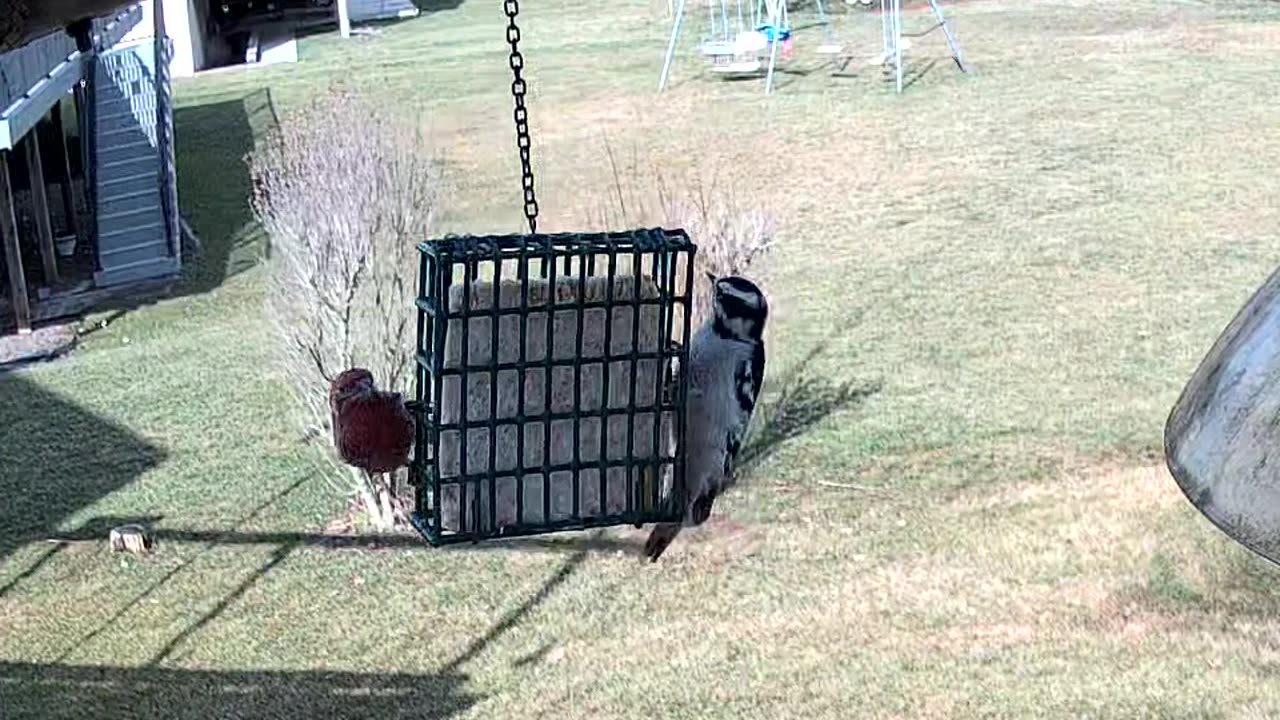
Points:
[[987, 294]]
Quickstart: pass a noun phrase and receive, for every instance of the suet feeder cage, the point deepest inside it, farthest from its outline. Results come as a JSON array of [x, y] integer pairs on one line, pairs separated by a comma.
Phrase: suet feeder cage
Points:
[[551, 375]]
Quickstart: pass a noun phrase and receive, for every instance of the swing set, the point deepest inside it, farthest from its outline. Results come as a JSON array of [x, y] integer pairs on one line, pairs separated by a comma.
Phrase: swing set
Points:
[[895, 42], [747, 50]]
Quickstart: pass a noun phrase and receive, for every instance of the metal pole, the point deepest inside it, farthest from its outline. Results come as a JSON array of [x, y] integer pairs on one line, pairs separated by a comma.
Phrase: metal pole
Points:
[[951, 40], [671, 46], [777, 21], [773, 58], [826, 21], [885, 47], [897, 41], [344, 19]]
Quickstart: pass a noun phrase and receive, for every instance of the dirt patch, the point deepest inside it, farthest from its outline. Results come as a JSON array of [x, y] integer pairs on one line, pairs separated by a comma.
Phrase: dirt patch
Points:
[[44, 343], [718, 541], [721, 540]]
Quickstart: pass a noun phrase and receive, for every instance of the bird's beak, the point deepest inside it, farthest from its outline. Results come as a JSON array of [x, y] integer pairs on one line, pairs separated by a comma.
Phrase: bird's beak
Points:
[[711, 276]]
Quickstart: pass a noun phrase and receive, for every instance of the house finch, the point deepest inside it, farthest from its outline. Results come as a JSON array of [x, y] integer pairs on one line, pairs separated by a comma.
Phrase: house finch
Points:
[[372, 428]]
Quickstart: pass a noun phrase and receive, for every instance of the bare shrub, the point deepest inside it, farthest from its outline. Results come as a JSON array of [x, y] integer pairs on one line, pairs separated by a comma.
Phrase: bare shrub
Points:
[[344, 193], [734, 230]]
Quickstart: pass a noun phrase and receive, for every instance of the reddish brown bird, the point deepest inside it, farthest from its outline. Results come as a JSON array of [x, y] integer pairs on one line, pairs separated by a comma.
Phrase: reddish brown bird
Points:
[[372, 428]]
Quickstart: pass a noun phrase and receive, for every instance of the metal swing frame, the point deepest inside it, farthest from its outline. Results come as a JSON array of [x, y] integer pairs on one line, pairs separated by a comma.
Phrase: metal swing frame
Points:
[[891, 35], [776, 14]]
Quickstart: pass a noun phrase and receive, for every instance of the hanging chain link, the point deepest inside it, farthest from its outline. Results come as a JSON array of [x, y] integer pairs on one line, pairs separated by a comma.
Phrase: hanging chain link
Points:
[[518, 88]]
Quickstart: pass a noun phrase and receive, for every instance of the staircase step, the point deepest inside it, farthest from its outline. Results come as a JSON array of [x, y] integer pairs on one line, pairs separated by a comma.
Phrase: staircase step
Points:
[[113, 204], [127, 219], [120, 233], [118, 121], [120, 151], [125, 169], [125, 185], [146, 270], [154, 248]]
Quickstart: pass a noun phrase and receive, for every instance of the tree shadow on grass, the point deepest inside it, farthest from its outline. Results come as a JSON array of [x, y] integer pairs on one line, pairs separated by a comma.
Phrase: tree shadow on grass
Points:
[[214, 186], [56, 690], [53, 692], [58, 459]]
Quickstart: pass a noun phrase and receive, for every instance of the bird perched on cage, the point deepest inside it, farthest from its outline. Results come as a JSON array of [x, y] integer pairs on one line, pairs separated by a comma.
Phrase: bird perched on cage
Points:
[[372, 428], [726, 366]]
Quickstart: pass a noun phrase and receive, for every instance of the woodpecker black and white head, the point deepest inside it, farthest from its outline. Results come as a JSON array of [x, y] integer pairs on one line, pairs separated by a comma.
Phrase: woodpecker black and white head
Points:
[[726, 367], [739, 307]]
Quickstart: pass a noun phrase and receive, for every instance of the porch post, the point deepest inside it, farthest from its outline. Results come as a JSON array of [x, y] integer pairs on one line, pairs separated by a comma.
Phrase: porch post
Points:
[[40, 207], [83, 96], [344, 19], [12, 253], [69, 204]]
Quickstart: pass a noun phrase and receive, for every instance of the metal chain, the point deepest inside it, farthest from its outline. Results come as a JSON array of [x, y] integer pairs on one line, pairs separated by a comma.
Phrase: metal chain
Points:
[[518, 87]]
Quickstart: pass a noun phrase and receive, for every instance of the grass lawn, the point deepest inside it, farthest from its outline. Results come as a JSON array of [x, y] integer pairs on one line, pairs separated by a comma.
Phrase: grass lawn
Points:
[[988, 292]]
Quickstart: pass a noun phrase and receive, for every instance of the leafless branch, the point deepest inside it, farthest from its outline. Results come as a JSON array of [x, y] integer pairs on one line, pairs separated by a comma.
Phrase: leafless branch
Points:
[[734, 230], [345, 192]]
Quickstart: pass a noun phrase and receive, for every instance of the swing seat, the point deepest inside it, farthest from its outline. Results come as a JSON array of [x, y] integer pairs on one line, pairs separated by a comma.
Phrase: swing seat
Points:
[[830, 49], [719, 48], [1222, 438], [740, 67], [750, 43]]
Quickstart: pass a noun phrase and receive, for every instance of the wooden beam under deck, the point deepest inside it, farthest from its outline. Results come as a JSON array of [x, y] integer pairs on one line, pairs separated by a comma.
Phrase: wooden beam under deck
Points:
[[70, 199], [12, 252], [40, 208]]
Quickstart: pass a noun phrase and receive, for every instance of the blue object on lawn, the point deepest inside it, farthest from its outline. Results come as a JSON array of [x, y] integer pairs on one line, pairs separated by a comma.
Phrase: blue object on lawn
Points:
[[773, 34]]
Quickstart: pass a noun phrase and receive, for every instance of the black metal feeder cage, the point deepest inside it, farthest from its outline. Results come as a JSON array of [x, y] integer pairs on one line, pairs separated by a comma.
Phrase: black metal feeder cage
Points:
[[551, 375]]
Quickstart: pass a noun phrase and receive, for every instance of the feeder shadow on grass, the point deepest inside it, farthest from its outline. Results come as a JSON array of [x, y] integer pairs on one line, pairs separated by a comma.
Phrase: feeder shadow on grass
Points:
[[806, 399], [61, 690]]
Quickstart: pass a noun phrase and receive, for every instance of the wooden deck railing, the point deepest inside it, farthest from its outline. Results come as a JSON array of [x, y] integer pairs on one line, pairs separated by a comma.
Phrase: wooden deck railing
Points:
[[23, 69]]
